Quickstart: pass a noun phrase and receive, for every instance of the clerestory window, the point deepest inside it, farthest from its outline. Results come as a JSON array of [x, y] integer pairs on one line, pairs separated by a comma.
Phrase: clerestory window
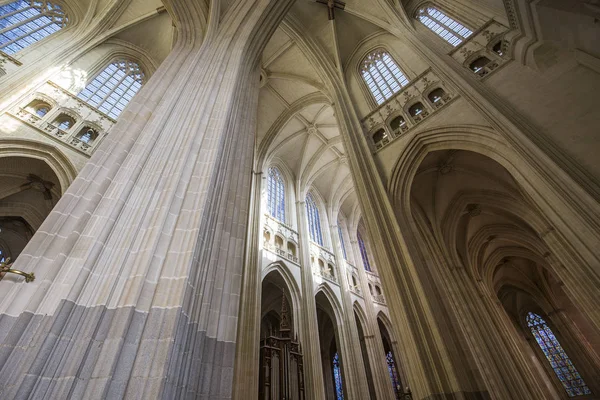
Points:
[[24, 22], [314, 221], [113, 88], [363, 252], [382, 75], [445, 27], [276, 194], [560, 362]]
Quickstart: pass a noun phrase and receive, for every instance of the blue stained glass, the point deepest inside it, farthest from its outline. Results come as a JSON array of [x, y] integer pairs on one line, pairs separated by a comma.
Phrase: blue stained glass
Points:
[[393, 374], [276, 194], [363, 252], [114, 87], [342, 241], [23, 23], [337, 378], [314, 222], [559, 360]]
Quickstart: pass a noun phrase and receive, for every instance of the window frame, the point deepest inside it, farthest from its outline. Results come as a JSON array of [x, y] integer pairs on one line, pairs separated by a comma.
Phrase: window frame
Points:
[[67, 22], [284, 194], [448, 14], [541, 356], [370, 95], [100, 69], [319, 222]]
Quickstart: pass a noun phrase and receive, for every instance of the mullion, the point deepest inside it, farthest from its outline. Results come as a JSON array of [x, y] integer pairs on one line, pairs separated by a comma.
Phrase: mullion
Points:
[[393, 78], [25, 35], [115, 88], [381, 91]]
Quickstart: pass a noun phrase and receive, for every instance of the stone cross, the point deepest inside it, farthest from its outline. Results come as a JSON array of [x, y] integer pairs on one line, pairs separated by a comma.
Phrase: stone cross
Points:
[[332, 5]]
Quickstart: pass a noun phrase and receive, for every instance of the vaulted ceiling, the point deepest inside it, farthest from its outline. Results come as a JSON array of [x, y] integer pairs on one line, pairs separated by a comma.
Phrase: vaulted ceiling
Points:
[[297, 125]]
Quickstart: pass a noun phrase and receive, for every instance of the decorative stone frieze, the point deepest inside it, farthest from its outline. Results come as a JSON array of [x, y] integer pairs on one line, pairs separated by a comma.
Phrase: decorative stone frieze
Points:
[[406, 109], [484, 51], [280, 239], [323, 262], [64, 103]]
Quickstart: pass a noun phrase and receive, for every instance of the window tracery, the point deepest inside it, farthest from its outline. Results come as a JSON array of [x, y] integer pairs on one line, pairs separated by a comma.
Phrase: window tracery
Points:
[[337, 377], [114, 87], [363, 252], [24, 22], [314, 221], [276, 194], [445, 27], [559, 360], [342, 241], [382, 75], [389, 357]]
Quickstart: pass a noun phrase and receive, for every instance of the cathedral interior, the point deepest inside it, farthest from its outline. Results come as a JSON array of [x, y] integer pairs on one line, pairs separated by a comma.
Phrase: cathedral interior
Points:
[[300, 199]]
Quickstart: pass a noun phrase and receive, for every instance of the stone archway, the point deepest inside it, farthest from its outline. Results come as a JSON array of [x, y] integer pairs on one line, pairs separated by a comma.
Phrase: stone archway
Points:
[[29, 189]]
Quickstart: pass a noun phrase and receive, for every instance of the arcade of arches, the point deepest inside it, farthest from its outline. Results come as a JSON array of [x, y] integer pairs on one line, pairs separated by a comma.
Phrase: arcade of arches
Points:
[[299, 199]]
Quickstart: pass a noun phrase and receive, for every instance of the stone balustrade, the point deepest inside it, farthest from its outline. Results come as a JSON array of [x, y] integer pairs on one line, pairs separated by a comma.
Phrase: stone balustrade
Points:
[[417, 101], [280, 239], [62, 103], [487, 42]]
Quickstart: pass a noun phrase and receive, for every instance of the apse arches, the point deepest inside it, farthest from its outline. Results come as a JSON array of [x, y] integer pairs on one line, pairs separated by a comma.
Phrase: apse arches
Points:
[[329, 308], [551, 201], [56, 160], [281, 269]]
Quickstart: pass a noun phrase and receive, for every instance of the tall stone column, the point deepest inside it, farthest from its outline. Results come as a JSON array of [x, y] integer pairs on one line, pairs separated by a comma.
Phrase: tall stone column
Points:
[[247, 360], [139, 265], [313, 370], [354, 365], [373, 341]]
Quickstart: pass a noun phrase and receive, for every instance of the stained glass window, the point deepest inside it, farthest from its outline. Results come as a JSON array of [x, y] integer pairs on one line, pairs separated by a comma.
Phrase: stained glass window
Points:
[[382, 75], [559, 360], [337, 378], [393, 374], [363, 252], [2, 258], [276, 194], [114, 87], [342, 241], [314, 222], [445, 27], [24, 22]]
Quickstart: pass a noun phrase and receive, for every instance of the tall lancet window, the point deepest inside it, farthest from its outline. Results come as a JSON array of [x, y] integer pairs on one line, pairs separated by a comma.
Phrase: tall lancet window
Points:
[[337, 378], [363, 252], [314, 222], [342, 241], [445, 27], [393, 373], [382, 75], [559, 360], [24, 22], [276, 194], [114, 87]]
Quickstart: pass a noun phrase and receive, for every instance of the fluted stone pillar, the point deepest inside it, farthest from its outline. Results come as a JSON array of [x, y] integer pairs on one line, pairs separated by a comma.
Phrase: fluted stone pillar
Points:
[[313, 370], [139, 265], [86, 29], [356, 378], [373, 341]]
